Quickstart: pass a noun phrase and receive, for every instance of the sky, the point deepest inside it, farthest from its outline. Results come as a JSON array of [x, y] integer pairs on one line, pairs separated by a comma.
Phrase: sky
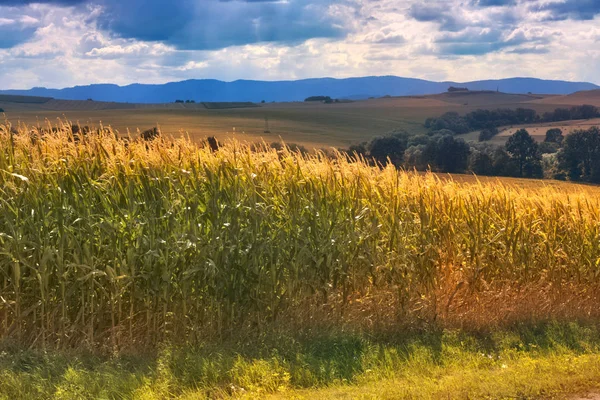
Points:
[[61, 43]]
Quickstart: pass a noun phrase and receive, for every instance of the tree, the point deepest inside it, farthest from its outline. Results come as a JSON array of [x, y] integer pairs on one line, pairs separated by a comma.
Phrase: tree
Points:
[[548, 147], [1, 110], [580, 155], [391, 147], [453, 89], [415, 158], [488, 133], [503, 164], [554, 135], [358, 150], [452, 154], [319, 98], [524, 151], [481, 163]]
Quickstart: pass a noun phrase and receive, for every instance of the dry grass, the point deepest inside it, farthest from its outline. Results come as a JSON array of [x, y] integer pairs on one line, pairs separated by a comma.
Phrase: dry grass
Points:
[[584, 97]]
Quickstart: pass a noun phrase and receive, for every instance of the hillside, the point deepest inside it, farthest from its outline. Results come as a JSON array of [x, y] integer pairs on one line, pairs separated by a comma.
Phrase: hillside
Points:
[[583, 97], [208, 90], [312, 124]]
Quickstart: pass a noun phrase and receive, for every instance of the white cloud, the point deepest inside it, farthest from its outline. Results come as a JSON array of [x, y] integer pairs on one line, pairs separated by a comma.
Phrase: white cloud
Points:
[[65, 46]]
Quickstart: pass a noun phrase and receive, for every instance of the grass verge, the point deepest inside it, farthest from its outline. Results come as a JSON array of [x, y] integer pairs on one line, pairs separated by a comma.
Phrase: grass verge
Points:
[[546, 360]]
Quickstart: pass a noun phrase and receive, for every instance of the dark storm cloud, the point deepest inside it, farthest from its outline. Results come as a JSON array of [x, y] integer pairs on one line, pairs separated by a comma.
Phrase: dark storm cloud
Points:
[[27, 2], [212, 24], [495, 30], [494, 3], [11, 36], [442, 14], [480, 42], [572, 9]]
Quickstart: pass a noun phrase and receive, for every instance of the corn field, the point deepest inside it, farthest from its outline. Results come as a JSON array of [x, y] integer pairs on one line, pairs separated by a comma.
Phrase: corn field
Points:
[[105, 240]]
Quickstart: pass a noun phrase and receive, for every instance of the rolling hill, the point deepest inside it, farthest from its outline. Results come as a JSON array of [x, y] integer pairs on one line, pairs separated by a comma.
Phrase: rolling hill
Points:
[[312, 124], [208, 90]]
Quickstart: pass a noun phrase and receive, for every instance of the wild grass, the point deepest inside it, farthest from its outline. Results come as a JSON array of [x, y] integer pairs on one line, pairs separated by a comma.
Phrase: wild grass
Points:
[[525, 362], [108, 243]]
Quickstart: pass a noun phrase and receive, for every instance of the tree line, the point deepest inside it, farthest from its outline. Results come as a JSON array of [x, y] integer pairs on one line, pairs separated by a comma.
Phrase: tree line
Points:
[[492, 119], [575, 157]]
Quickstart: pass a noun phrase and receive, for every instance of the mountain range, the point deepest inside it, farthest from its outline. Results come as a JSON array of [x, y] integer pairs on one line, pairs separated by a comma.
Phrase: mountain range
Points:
[[210, 90]]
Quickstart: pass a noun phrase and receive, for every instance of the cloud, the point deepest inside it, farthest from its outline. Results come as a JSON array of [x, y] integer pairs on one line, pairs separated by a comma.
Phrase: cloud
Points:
[[71, 42], [484, 41], [212, 24], [15, 28], [530, 50], [571, 9], [54, 2], [445, 16], [494, 3]]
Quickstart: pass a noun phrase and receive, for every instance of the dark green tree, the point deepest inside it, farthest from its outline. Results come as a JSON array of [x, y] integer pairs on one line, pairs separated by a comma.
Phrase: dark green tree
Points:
[[554, 135], [481, 163], [452, 154], [525, 152], [488, 133], [580, 155], [388, 147]]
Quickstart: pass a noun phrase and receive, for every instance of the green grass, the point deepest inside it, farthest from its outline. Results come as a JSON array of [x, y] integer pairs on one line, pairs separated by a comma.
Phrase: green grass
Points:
[[524, 362]]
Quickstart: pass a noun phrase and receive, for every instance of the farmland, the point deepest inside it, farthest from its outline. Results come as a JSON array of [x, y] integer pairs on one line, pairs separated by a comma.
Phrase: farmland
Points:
[[314, 125], [252, 271]]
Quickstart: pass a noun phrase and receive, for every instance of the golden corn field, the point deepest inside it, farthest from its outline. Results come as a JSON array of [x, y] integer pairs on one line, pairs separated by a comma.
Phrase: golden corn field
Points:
[[121, 242]]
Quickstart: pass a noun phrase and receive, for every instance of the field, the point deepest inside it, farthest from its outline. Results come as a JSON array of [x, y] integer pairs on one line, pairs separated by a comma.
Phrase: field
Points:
[[314, 125], [163, 269], [537, 131]]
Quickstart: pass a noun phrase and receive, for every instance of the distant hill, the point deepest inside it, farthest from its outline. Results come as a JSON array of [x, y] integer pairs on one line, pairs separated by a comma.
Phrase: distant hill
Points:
[[209, 90]]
